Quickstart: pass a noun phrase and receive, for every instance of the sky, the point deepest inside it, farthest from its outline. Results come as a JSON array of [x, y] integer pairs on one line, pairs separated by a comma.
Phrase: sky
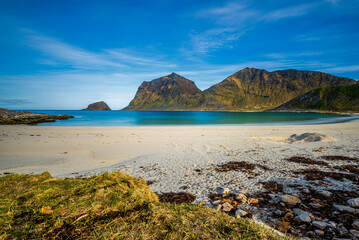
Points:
[[64, 55]]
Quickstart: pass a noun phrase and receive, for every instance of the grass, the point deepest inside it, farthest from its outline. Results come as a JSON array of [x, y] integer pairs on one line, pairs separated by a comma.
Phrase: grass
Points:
[[108, 206]]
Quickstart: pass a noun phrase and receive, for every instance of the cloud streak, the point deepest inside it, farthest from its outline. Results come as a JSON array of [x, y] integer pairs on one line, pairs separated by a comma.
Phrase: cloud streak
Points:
[[232, 20], [58, 53]]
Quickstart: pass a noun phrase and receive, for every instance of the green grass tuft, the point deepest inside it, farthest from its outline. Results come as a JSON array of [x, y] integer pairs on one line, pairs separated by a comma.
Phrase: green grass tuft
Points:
[[108, 206]]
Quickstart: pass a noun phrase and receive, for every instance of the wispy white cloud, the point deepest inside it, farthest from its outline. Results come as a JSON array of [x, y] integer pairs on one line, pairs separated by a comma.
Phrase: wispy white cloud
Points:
[[339, 69], [14, 102], [213, 39], [131, 57], [59, 53], [232, 20], [288, 12], [64, 54], [292, 55]]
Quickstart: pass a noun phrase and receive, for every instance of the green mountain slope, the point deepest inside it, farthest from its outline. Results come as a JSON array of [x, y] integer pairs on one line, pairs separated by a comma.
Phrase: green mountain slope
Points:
[[248, 89], [255, 89], [339, 98]]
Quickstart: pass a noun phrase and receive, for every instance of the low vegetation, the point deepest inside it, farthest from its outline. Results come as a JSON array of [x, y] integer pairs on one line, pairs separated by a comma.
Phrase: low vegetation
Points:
[[109, 206], [337, 98]]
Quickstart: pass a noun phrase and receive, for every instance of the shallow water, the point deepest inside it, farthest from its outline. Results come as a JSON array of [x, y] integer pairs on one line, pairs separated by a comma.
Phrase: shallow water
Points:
[[155, 118]]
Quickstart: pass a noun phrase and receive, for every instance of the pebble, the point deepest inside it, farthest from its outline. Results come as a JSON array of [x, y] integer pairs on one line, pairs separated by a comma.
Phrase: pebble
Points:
[[319, 232], [354, 232], [278, 212], [271, 195], [315, 205], [242, 198], [216, 202], [240, 213], [291, 200], [344, 208], [320, 225], [354, 202], [324, 193], [343, 230], [356, 224], [304, 218], [227, 207], [223, 191]]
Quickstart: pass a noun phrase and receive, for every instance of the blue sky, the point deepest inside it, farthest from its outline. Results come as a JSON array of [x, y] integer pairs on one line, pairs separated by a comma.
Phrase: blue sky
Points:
[[67, 54]]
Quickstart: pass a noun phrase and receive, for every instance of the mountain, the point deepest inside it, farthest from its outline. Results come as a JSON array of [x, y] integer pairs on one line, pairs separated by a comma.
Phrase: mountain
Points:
[[169, 92], [98, 106], [246, 90], [256, 89], [338, 98]]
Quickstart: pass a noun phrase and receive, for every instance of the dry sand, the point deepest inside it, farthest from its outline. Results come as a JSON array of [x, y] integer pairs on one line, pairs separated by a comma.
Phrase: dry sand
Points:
[[174, 157]]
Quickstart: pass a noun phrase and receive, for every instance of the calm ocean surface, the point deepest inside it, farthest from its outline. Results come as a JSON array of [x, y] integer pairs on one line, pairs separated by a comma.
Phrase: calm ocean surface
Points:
[[154, 118]]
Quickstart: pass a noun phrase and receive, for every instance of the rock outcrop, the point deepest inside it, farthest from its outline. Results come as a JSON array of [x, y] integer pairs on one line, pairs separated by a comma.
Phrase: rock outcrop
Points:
[[166, 93], [248, 89], [9, 117], [98, 106], [338, 98]]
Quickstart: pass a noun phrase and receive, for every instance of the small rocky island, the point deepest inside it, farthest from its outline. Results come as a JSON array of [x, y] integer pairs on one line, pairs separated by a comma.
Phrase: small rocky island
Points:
[[98, 106], [9, 117]]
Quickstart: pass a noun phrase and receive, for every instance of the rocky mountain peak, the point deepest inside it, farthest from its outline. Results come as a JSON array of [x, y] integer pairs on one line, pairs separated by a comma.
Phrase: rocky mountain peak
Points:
[[98, 106], [172, 89]]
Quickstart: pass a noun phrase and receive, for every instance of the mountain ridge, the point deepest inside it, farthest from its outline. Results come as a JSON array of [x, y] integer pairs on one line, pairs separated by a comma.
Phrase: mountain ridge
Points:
[[246, 90]]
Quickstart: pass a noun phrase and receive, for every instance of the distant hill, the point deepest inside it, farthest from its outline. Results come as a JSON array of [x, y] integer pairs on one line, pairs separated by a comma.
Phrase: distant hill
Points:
[[338, 98], [246, 90], [169, 92], [98, 106]]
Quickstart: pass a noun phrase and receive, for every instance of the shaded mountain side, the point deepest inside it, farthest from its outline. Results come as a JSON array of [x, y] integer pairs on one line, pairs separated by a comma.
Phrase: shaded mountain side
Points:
[[255, 89], [165, 93], [248, 89], [98, 106], [338, 98]]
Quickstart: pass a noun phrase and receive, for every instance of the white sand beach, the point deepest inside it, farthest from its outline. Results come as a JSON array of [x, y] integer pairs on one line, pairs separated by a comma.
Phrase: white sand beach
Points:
[[174, 156]]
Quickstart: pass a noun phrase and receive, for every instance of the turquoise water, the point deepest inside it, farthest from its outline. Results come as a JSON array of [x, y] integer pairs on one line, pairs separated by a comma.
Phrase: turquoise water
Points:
[[154, 118]]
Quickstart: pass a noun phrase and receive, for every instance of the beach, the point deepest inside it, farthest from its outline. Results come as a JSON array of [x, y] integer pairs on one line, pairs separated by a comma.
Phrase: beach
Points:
[[175, 156], [260, 166]]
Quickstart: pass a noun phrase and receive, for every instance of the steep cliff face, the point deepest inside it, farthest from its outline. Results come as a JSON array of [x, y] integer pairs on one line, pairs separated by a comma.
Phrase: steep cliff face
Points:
[[255, 89], [338, 98], [169, 92], [98, 106]]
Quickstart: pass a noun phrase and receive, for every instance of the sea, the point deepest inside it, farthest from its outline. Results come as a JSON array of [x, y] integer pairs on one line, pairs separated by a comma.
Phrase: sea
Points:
[[178, 118]]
